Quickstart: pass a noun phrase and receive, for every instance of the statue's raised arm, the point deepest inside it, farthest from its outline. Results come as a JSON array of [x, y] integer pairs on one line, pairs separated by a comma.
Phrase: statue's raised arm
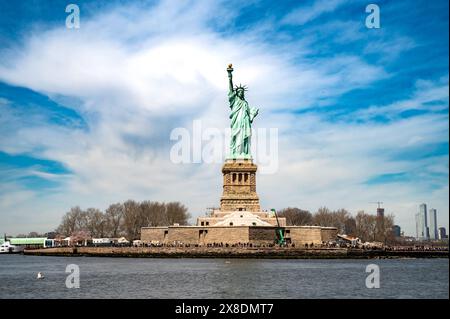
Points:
[[230, 77]]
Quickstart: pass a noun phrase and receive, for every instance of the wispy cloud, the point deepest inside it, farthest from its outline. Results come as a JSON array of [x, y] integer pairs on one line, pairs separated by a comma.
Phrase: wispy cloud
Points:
[[429, 96], [305, 14]]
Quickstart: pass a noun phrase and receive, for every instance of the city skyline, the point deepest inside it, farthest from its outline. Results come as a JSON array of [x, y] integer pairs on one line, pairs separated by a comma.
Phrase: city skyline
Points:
[[427, 225], [87, 114]]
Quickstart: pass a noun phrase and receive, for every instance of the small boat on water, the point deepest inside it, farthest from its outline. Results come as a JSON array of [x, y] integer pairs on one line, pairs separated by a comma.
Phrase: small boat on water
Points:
[[40, 276], [6, 248]]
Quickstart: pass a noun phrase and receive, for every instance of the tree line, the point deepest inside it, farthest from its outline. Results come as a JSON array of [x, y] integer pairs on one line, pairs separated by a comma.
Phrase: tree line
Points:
[[364, 226], [121, 219], [126, 219]]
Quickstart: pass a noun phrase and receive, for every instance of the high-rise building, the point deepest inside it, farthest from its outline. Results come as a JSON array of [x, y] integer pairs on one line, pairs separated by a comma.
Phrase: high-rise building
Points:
[[422, 232], [442, 233], [380, 220], [433, 224], [396, 230], [380, 212]]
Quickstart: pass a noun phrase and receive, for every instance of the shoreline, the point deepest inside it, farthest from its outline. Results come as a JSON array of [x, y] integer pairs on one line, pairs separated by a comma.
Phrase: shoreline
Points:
[[254, 253]]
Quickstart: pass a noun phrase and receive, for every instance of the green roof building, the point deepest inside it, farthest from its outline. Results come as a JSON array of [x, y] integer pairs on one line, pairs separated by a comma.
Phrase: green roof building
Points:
[[40, 241]]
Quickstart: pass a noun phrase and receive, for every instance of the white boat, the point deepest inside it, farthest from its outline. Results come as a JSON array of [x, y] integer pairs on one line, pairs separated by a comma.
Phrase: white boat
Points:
[[6, 247]]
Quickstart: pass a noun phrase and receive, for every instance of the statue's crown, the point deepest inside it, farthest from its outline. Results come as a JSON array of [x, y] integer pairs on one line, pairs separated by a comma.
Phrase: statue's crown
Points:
[[241, 87]]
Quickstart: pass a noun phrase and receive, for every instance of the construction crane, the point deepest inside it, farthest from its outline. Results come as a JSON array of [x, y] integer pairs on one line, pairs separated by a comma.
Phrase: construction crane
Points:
[[279, 236], [379, 203]]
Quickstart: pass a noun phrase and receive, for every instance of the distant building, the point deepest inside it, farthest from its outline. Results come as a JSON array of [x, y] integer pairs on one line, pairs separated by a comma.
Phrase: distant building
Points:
[[32, 242], [396, 230], [442, 233], [433, 224], [103, 241], [380, 220], [422, 232]]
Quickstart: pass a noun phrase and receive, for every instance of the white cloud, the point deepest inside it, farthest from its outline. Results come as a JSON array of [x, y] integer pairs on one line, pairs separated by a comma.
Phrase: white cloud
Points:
[[390, 49], [304, 15]]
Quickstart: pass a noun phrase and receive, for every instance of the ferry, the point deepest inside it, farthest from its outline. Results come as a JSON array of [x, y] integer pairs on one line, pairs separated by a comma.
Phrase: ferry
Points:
[[6, 247]]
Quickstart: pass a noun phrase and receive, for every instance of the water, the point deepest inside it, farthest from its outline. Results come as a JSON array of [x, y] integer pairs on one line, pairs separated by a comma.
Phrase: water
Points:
[[102, 277]]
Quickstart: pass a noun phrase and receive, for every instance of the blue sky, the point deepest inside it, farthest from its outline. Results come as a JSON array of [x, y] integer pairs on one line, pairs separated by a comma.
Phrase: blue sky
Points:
[[86, 114]]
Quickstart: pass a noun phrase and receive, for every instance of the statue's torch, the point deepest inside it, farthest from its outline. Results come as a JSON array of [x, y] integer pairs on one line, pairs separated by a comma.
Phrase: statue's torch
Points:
[[230, 69]]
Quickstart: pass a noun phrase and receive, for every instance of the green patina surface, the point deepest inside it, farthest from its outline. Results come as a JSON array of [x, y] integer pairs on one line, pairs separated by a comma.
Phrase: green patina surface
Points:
[[241, 117]]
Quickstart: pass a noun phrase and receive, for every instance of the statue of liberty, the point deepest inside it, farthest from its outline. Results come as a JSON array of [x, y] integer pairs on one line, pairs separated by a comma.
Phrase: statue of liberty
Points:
[[241, 116]]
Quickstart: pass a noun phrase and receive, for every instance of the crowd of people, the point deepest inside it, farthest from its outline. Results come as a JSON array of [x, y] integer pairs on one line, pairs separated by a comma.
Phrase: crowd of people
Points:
[[323, 245], [416, 248], [212, 245]]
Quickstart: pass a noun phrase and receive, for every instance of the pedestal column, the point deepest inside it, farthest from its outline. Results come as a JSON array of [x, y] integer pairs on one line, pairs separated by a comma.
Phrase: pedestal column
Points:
[[239, 186]]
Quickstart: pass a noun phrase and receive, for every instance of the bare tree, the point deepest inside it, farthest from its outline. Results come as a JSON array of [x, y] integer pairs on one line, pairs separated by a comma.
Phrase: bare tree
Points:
[[81, 220], [371, 221], [296, 216], [70, 222], [323, 217], [95, 222], [362, 228], [161, 214], [153, 214], [384, 228], [339, 218], [126, 218], [366, 226], [114, 218], [131, 219], [176, 213], [350, 226]]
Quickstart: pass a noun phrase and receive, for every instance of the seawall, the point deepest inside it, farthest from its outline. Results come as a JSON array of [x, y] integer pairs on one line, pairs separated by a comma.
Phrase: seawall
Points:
[[233, 252]]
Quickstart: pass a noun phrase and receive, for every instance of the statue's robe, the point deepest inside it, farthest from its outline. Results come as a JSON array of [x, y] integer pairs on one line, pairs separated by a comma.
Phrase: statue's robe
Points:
[[241, 119]]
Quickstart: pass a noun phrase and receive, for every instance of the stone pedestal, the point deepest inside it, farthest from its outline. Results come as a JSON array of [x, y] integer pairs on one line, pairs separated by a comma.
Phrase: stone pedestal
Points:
[[239, 186]]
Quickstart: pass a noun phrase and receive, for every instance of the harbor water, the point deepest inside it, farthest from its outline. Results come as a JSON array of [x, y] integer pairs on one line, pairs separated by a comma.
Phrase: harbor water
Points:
[[104, 277]]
